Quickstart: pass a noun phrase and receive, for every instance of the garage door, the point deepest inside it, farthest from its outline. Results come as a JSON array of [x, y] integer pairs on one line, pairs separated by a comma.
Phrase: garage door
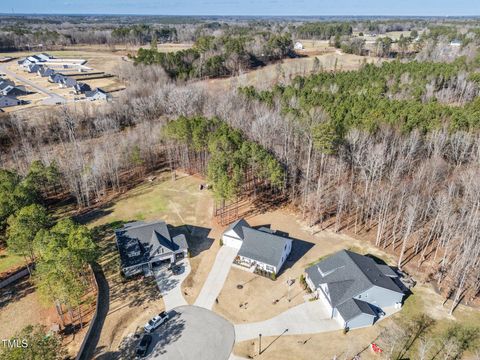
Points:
[[231, 241]]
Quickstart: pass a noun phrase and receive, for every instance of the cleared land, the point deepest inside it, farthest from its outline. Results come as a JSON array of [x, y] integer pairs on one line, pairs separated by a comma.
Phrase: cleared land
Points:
[[98, 61], [255, 301], [346, 346], [133, 302]]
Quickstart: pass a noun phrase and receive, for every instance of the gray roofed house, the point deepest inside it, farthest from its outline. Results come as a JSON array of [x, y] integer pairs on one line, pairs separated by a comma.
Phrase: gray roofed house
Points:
[[82, 88], [260, 249], [354, 288], [46, 72], [141, 245], [6, 101], [97, 94]]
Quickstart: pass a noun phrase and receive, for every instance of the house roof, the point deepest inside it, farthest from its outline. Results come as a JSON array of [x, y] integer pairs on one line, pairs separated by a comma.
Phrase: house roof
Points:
[[262, 246], [138, 242], [348, 274], [354, 307], [237, 227]]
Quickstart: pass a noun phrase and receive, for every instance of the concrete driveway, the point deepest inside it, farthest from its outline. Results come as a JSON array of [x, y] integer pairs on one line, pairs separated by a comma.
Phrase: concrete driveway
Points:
[[52, 99], [169, 284], [216, 278], [307, 318], [193, 333]]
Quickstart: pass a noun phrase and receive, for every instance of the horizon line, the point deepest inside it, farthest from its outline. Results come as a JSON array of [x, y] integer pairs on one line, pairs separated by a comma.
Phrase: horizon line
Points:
[[238, 15]]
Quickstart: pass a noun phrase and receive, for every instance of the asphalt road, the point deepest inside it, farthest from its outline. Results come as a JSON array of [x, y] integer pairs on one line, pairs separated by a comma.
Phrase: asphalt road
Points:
[[53, 98], [193, 333]]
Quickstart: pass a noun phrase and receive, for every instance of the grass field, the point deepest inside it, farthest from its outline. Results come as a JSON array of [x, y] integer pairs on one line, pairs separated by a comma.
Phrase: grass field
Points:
[[10, 261]]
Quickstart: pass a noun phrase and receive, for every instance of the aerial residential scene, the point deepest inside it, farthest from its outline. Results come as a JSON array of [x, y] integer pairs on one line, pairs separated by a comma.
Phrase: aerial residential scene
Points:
[[233, 180]]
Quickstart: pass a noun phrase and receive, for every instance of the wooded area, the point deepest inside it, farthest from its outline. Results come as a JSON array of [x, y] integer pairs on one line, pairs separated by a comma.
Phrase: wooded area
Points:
[[388, 152]]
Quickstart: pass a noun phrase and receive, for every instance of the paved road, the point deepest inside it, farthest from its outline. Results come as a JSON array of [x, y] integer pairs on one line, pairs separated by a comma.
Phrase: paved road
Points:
[[307, 318], [216, 278], [170, 285], [93, 334], [193, 333], [53, 98]]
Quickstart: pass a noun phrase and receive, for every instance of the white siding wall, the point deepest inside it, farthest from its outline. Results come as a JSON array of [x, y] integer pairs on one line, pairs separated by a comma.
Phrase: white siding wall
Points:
[[286, 252], [231, 238]]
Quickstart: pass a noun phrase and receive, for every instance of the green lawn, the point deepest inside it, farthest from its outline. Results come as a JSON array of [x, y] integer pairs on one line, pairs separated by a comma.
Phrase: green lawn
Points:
[[10, 261]]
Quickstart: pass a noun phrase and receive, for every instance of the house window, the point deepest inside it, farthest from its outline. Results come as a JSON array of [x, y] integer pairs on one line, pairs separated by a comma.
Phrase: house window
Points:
[[269, 268]]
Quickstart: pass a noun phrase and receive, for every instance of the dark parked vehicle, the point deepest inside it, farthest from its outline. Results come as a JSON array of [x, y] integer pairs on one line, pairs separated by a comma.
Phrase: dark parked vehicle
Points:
[[142, 347]]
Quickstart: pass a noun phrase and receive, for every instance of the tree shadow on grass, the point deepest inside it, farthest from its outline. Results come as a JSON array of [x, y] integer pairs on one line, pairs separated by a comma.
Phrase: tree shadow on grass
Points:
[[15, 292]]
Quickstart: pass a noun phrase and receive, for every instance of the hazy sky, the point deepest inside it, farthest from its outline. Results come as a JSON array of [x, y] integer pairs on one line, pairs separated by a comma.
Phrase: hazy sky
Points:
[[246, 7]]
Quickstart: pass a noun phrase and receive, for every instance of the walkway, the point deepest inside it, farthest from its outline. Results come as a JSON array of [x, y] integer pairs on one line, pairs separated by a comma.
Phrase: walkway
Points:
[[216, 278], [170, 285], [307, 318]]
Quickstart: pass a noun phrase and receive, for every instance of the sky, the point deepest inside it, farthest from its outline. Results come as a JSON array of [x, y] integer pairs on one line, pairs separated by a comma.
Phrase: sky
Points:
[[246, 7]]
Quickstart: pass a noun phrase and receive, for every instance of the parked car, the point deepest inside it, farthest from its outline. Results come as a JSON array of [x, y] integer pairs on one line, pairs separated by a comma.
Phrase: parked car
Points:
[[156, 322], [142, 347]]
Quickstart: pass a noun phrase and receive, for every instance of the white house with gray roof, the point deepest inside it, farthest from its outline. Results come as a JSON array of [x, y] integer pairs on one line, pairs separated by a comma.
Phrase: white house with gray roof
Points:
[[259, 249], [143, 244], [354, 288]]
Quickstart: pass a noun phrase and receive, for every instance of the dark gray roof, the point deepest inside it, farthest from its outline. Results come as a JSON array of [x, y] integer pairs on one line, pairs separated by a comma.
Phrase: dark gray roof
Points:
[[354, 307], [348, 274], [138, 242], [237, 226], [387, 270], [262, 246]]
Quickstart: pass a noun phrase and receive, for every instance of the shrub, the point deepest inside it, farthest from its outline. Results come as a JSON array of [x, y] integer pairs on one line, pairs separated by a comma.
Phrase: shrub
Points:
[[221, 242], [273, 276]]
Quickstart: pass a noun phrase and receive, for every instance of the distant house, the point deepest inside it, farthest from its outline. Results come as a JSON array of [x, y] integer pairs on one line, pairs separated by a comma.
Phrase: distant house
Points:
[[82, 88], [8, 88], [44, 57], [97, 94], [261, 250], [144, 245], [354, 288], [45, 72], [33, 68], [298, 46], [6, 101], [56, 78], [68, 82]]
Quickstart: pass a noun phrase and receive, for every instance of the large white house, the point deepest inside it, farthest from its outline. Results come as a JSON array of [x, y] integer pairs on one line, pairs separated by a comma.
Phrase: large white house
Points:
[[260, 250]]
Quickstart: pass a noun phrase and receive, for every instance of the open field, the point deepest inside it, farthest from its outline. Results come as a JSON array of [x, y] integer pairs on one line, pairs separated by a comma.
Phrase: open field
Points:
[[286, 70]]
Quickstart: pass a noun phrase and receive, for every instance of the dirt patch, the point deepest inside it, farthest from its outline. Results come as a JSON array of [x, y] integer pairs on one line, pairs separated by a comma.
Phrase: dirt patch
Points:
[[21, 306], [312, 346]]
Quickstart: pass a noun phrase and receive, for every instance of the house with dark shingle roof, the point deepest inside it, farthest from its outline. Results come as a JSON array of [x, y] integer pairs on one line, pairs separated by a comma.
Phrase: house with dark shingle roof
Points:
[[142, 245], [260, 250], [354, 288]]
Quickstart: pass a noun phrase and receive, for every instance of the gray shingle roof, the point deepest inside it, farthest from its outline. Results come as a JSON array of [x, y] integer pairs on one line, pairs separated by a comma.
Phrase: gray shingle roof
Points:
[[237, 226], [348, 274], [138, 242], [354, 307], [262, 246]]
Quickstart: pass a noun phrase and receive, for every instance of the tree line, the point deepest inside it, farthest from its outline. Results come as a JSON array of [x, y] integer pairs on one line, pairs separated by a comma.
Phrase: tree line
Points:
[[219, 56]]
